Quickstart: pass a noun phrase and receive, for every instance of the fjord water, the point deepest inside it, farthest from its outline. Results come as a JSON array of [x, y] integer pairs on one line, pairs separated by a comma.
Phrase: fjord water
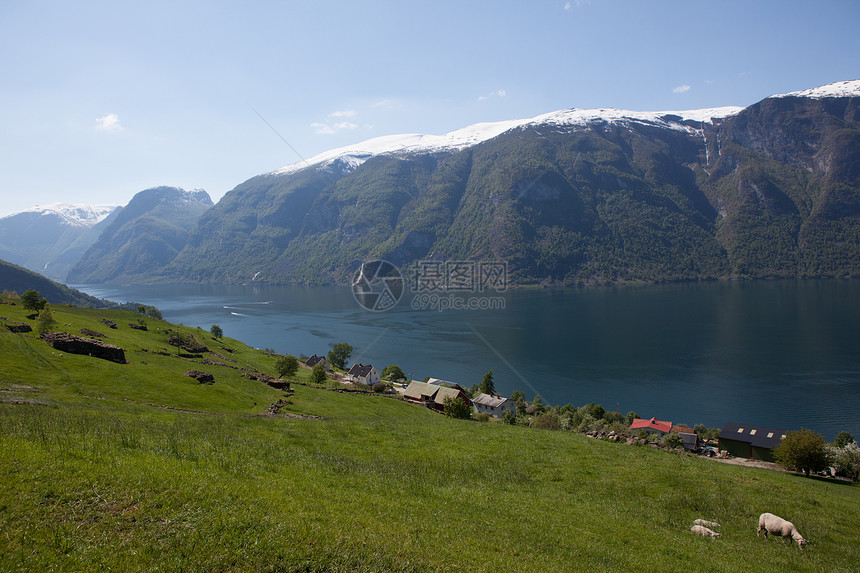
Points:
[[784, 354]]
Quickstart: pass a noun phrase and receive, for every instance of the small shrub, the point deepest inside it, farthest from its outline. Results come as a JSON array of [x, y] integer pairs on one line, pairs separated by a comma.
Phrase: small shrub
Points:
[[673, 440], [379, 387], [481, 417], [547, 421], [318, 374], [509, 418], [45, 321], [457, 408]]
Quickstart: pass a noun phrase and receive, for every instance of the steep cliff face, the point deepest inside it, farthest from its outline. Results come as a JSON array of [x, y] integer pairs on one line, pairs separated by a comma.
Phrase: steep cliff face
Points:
[[787, 185]]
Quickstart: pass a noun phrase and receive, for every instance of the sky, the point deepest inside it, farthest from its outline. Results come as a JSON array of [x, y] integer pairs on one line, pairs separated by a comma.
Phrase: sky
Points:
[[100, 100]]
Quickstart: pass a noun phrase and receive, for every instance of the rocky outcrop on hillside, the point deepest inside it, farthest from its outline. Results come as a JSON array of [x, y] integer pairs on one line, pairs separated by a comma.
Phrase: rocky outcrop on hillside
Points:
[[73, 344]]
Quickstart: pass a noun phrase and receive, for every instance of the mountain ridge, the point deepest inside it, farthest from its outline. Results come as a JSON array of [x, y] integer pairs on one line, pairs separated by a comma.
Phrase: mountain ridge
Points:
[[480, 132], [597, 196], [50, 239], [144, 236]]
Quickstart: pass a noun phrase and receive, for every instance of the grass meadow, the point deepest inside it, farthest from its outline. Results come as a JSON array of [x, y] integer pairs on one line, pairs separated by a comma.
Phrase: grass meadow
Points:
[[136, 467]]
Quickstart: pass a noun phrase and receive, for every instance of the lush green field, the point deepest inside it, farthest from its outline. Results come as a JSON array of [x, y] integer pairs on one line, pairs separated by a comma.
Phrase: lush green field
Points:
[[96, 474]]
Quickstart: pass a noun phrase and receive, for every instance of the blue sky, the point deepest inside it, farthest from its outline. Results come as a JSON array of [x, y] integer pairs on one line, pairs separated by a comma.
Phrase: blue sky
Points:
[[101, 100]]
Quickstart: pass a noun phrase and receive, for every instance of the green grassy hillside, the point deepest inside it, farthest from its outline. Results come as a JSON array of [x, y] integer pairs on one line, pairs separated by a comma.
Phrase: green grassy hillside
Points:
[[19, 279], [136, 467]]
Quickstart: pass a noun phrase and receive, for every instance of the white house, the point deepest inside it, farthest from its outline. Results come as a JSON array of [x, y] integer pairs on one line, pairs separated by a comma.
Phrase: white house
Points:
[[364, 374], [495, 406]]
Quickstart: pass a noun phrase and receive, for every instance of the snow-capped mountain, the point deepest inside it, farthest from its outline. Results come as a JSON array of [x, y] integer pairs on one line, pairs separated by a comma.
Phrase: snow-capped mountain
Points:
[[835, 90], [572, 196], [354, 155], [71, 214], [49, 239]]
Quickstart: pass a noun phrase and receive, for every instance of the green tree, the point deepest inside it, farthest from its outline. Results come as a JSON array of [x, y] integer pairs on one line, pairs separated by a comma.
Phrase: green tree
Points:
[[141, 309], [610, 417], [596, 410], [519, 398], [628, 419], [339, 354], [846, 460], [153, 312], [843, 438], [318, 374], [216, 331], [45, 321], [456, 408], [393, 372], [287, 366], [32, 300], [509, 418], [803, 450], [538, 404], [487, 386]]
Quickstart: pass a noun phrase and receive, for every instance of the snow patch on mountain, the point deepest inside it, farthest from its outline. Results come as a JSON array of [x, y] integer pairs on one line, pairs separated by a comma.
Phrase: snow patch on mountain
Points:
[[74, 215], [355, 155], [352, 156], [837, 89], [667, 119]]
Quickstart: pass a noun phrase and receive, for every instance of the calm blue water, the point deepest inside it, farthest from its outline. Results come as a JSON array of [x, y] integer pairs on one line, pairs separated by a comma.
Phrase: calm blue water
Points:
[[784, 354]]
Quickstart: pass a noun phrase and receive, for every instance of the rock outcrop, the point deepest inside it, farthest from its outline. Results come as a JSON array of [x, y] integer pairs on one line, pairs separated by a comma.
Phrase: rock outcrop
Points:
[[202, 377], [79, 345], [17, 327]]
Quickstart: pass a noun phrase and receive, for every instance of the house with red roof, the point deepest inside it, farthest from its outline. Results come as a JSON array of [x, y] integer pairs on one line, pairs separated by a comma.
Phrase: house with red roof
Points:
[[651, 426]]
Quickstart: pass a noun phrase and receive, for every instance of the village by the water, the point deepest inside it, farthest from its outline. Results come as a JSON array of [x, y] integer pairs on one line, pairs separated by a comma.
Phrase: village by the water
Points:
[[736, 442]]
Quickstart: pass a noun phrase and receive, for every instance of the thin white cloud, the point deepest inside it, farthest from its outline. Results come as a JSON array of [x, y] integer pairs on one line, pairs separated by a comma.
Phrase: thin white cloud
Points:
[[681, 89], [577, 3], [110, 122], [342, 113], [322, 128], [567, 5], [330, 129], [497, 93]]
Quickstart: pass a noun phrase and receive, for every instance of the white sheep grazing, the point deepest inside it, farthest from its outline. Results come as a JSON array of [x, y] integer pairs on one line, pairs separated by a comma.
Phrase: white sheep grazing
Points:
[[770, 523], [704, 531], [706, 523]]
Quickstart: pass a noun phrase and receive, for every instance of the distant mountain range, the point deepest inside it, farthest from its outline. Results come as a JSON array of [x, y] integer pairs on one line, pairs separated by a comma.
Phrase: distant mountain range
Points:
[[570, 197], [50, 239]]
